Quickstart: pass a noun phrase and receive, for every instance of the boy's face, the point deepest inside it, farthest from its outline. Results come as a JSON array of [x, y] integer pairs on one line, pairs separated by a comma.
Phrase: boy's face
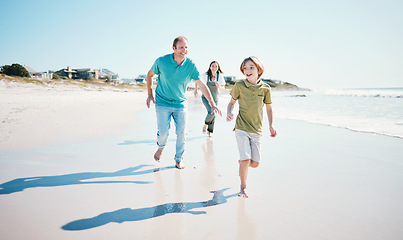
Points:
[[250, 71]]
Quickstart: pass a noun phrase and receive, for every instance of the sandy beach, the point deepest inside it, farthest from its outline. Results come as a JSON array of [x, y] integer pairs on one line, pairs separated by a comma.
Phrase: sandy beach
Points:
[[78, 164]]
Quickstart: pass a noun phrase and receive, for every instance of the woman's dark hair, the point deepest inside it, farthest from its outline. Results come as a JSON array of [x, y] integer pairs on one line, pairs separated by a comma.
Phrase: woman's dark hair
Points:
[[209, 73]]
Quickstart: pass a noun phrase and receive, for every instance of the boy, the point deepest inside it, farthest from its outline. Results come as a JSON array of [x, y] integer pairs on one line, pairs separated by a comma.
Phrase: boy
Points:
[[252, 94]]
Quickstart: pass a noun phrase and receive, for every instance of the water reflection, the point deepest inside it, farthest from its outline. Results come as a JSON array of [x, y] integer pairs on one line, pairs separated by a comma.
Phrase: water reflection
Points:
[[246, 227], [209, 171]]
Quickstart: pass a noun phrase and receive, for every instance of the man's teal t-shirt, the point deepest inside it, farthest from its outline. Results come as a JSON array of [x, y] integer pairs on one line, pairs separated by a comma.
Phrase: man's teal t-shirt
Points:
[[173, 80]]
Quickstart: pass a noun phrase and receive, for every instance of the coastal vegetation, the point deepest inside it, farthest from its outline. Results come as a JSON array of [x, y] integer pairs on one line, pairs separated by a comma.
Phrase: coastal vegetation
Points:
[[19, 75], [99, 84], [274, 84], [66, 82], [14, 70]]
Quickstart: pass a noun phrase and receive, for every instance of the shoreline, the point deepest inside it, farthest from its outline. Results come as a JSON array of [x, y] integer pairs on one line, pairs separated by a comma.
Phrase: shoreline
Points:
[[345, 128]]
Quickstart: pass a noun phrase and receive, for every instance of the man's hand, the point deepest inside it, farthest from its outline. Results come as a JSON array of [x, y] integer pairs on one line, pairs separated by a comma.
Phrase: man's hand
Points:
[[150, 99]]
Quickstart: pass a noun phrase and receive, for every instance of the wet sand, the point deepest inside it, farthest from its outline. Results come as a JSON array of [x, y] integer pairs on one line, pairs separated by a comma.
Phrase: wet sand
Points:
[[314, 182]]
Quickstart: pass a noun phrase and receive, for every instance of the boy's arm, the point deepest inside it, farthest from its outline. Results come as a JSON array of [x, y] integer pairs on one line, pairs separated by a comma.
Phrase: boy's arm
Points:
[[230, 107], [269, 111]]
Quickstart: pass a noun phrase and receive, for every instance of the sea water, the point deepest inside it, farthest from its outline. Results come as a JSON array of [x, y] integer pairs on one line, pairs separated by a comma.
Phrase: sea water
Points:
[[368, 110]]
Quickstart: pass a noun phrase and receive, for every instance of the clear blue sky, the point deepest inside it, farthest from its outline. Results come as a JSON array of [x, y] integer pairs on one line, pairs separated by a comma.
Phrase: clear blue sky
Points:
[[312, 43]]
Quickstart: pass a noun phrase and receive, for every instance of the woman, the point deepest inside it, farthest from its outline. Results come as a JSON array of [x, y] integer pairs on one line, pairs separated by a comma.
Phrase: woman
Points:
[[214, 80]]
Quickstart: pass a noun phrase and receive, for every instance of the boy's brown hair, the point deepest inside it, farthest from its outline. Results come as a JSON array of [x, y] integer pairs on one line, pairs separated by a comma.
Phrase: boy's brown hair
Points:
[[257, 62]]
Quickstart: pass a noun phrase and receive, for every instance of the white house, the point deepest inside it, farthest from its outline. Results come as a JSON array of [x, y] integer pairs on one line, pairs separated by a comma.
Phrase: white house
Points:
[[39, 75]]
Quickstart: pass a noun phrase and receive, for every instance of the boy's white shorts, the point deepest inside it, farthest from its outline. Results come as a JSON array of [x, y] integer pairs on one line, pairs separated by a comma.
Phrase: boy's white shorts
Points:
[[248, 145]]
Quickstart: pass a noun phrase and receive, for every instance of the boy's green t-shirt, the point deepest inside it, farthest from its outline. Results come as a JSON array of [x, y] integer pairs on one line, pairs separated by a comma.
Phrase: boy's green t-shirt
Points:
[[251, 99]]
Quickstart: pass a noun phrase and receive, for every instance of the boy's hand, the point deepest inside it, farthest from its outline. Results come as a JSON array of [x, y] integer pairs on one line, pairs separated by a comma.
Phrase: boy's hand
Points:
[[273, 132], [230, 116]]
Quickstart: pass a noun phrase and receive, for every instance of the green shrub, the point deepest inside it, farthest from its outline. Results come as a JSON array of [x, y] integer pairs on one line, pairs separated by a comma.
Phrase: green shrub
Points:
[[15, 70]]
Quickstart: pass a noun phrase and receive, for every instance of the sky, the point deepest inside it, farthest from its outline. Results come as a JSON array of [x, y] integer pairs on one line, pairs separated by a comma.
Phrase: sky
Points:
[[317, 44]]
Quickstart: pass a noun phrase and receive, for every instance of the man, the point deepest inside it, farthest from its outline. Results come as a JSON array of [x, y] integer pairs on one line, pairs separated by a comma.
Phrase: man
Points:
[[175, 71]]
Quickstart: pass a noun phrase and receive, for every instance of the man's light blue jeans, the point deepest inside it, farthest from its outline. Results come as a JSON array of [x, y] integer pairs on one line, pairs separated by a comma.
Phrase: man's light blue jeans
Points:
[[179, 115]]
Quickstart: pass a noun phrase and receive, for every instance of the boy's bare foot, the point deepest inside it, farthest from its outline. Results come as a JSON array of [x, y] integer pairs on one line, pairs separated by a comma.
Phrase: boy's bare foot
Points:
[[179, 165], [242, 193], [205, 129], [157, 155]]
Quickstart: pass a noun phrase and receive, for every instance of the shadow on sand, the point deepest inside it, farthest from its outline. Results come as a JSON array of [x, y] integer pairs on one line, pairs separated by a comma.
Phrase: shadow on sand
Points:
[[127, 214], [20, 184]]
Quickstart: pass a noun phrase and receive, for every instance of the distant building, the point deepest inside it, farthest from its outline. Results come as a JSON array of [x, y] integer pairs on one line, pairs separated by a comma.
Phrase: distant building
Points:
[[229, 79], [106, 74], [276, 82], [39, 75], [89, 73], [141, 78], [67, 72]]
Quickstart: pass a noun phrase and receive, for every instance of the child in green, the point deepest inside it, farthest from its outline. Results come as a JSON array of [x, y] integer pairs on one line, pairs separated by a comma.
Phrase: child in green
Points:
[[252, 94]]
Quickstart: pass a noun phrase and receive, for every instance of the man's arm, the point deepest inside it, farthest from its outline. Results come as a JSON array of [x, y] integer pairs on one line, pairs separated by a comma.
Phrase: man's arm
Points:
[[206, 92], [150, 97], [195, 92]]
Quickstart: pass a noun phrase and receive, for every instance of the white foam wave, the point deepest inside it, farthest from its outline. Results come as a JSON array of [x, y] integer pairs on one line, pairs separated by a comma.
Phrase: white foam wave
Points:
[[341, 108], [375, 92]]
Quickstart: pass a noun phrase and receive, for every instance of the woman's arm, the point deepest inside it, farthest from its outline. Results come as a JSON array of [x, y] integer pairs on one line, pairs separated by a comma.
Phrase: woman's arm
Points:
[[206, 92]]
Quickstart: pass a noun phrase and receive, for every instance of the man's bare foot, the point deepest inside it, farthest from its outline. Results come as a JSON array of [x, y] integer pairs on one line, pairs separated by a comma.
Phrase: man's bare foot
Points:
[[242, 193], [179, 165], [157, 155], [205, 129], [210, 134]]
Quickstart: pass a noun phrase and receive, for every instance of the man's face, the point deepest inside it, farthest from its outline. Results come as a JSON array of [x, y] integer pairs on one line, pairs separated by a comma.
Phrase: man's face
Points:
[[181, 49]]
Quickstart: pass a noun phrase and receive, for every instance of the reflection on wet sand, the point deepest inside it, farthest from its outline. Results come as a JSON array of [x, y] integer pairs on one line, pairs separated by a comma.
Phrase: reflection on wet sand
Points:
[[246, 227], [209, 171]]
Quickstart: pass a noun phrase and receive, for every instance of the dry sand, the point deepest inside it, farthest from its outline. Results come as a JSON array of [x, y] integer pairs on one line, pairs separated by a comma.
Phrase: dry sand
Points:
[[78, 164], [34, 115]]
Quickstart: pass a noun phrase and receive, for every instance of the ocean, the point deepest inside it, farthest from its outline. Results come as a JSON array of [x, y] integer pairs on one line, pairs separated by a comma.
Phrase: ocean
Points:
[[374, 110]]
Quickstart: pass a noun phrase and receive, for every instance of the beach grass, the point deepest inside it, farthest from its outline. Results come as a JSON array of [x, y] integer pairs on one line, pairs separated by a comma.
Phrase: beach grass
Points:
[[85, 84]]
